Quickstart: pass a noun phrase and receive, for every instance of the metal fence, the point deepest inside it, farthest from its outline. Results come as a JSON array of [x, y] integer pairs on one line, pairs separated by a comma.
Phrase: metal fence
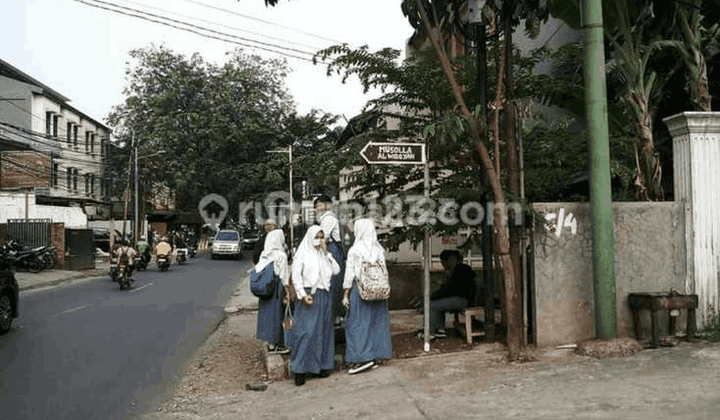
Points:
[[31, 232]]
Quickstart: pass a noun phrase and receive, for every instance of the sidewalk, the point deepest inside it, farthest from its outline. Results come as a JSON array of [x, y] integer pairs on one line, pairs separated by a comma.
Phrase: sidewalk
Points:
[[48, 278], [667, 383]]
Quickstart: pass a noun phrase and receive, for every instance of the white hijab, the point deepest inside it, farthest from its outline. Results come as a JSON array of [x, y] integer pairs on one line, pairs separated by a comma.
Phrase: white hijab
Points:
[[274, 252], [309, 262], [366, 248]]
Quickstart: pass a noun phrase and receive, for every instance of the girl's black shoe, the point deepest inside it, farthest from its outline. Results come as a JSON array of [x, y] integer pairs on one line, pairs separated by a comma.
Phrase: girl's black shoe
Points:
[[299, 379], [325, 373]]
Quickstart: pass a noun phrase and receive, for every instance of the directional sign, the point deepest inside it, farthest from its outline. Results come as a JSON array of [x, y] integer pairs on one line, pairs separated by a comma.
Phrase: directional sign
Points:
[[394, 153], [213, 209]]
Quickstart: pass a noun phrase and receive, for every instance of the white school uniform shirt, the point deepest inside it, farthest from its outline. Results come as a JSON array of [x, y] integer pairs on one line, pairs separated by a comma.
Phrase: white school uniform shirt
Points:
[[365, 249], [311, 267], [274, 252]]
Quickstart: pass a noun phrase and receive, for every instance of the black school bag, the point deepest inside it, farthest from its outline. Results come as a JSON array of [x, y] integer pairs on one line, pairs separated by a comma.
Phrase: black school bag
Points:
[[264, 284]]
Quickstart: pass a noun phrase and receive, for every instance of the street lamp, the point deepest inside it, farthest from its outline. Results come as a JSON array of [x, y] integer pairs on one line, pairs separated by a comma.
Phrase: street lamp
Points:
[[292, 208]]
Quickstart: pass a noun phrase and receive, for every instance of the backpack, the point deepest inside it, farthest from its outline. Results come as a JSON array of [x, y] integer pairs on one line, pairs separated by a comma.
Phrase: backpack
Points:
[[374, 283], [265, 283], [123, 258]]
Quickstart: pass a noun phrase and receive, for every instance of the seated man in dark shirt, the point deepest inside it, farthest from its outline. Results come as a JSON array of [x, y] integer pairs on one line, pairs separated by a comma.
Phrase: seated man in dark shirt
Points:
[[456, 292]]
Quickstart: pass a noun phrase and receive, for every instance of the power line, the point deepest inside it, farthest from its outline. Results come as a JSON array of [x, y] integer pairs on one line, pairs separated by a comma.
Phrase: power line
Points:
[[153, 18], [225, 26], [263, 21]]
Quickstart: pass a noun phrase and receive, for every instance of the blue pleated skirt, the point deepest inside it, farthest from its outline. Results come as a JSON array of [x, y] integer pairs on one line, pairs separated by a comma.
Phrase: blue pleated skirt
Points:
[[312, 339], [367, 330], [336, 281], [269, 319]]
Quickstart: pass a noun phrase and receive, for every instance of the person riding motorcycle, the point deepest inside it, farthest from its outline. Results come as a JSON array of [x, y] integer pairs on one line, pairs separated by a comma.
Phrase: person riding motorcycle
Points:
[[130, 252], [143, 248], [163, 247]]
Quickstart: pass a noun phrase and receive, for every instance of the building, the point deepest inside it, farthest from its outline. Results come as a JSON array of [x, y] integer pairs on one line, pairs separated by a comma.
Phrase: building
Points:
[[49, 147]]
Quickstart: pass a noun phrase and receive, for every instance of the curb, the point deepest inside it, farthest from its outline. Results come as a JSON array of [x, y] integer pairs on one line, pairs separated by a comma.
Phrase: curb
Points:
[[57, 282]]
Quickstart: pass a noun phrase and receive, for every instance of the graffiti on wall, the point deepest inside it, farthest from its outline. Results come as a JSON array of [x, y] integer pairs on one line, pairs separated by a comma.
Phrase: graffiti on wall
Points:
[[556, 222]]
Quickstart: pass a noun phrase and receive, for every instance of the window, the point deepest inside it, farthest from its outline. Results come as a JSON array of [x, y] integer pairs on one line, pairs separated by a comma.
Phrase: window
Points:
[[87, 141], [69, 179], [92, 185], [54, 175], [48, 124], [69, 133], [75, 179], [56, 119], [87, 184], [92, 144], [75, 136]]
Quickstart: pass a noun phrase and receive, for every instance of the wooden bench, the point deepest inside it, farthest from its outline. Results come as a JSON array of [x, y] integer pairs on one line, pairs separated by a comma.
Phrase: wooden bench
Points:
[[465, 316]]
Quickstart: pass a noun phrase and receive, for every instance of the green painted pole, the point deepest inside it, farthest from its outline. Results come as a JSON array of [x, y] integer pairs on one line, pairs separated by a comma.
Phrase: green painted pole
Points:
[[600, 193]]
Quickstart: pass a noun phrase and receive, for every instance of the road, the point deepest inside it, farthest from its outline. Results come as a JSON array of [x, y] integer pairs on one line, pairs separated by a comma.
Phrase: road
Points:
[[90, 351]]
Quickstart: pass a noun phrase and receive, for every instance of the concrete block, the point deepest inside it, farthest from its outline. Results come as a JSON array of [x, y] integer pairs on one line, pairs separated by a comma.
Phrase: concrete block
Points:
[[277, 367]]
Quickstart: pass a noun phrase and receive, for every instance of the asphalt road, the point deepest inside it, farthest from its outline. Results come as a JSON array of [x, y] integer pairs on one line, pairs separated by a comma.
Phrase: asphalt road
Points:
[[90, 351]]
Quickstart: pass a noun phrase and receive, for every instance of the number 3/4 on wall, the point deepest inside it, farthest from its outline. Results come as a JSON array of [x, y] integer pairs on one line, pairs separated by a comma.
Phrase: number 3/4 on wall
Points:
[[558, 221]]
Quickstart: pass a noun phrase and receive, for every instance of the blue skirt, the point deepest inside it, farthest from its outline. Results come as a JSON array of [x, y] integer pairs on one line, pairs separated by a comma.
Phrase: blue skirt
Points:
[[312, 339], [336, 281], [367, 330], [269, 319]]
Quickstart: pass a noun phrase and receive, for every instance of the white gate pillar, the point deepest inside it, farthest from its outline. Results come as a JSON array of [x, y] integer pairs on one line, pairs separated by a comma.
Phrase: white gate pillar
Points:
[[696, 166]]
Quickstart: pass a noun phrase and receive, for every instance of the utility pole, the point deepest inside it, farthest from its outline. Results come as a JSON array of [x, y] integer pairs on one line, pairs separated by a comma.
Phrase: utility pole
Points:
[[478, 21], [600, 192], [292, 204], [136, 228], [127, 187]]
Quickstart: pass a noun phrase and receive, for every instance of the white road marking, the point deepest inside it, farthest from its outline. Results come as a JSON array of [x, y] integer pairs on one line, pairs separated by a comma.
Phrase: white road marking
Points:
[[69, 310], [140, 288]]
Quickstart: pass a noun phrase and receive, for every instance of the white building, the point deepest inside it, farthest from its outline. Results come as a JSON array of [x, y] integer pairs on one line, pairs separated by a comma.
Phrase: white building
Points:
[[34, 117]]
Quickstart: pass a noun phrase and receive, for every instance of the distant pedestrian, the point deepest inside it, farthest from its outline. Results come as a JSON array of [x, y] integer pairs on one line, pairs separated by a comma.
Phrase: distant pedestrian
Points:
[[270, 311], [313, 337], [330, 225], [367, 328]]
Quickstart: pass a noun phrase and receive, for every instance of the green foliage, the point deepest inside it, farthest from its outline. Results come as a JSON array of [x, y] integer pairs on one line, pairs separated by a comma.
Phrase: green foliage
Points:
[[214, 122], [711, 330]]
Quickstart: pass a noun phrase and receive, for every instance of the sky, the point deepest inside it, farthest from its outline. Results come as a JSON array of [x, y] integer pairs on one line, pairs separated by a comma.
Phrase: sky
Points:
[[81, 50]]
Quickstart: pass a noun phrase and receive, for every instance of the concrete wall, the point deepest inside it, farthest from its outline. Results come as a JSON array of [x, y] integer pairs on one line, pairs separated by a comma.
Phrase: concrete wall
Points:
[[649, 257], [12, 206]]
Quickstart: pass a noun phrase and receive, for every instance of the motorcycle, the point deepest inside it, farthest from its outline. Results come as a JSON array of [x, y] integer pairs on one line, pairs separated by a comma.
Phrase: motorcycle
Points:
[[163, 262], [47, 256], [123, 276], [192, 251], [19, 256], [143, 261], [181, 255]]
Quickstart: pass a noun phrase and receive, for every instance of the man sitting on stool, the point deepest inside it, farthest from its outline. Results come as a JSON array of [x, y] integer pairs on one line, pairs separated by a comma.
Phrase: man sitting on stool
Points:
[[456, 292]]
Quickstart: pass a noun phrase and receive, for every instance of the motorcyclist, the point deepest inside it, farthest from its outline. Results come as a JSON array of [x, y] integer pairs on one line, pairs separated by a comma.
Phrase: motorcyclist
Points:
[[143, 248], [131, 253], [163, 247]]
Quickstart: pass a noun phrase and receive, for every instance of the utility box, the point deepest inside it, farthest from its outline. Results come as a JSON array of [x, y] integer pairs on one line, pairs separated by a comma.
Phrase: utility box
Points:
[[79, 249]]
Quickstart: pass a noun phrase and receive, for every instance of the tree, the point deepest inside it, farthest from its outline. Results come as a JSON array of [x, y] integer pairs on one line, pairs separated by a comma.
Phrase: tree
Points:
[[215, 122]]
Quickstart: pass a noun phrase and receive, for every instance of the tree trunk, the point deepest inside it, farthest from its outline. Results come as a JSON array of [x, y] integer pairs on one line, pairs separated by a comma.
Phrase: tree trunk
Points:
[[648, 182], [478, 135]]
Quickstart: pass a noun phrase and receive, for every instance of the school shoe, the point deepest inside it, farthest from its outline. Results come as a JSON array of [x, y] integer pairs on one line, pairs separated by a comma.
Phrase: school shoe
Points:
[[360, 367], [440, 333], [282, 350], [299, 379]]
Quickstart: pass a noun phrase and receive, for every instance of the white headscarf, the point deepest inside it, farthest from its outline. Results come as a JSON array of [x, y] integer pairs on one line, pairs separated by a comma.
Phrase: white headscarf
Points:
[[274, 252], [311, 267], [366, 248]]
